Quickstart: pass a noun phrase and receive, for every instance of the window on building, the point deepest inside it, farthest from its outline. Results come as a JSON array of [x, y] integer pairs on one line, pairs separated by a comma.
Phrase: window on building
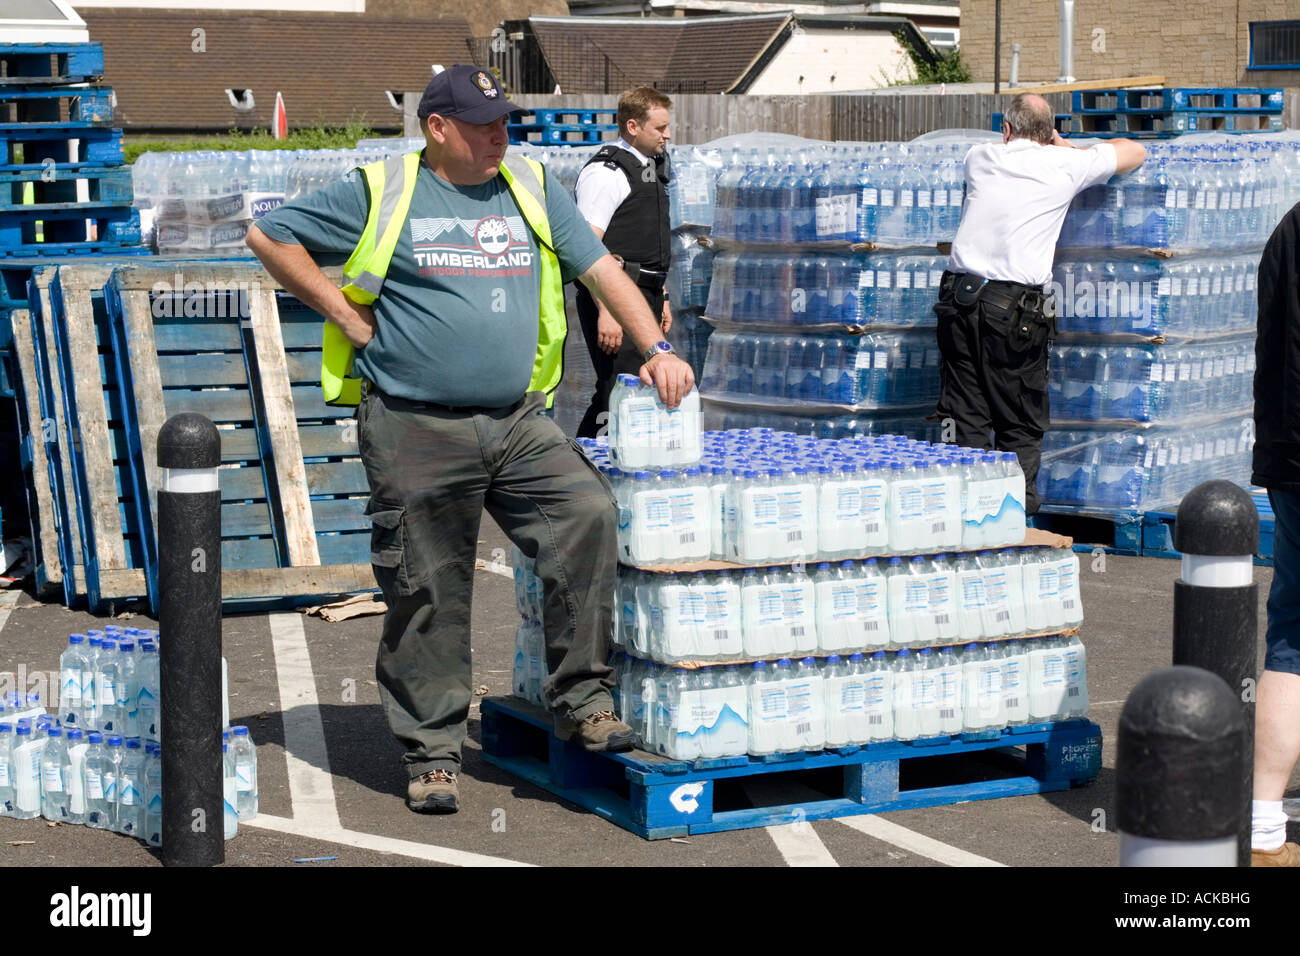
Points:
[[1275, 45]]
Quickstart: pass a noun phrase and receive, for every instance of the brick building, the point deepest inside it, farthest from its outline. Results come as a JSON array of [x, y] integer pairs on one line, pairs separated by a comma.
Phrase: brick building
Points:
[[1189, 42]]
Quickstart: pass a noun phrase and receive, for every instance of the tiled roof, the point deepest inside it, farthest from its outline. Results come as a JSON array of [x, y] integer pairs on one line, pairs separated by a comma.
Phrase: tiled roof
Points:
[[684, 55], [330, 68]]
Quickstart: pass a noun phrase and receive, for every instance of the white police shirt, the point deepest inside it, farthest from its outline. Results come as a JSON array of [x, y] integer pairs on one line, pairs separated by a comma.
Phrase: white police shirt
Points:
[[601, 190], [1017, 195]]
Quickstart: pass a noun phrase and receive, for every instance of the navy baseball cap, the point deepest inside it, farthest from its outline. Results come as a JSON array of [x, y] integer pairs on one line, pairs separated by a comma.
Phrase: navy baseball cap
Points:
[[468, 93]]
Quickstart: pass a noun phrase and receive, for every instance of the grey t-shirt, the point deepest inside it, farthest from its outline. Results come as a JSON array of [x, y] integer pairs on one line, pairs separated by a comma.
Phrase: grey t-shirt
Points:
[[458, 314]]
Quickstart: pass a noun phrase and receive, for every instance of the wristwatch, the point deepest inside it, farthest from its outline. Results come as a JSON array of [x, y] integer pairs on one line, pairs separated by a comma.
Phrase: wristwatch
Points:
[[654, 350]]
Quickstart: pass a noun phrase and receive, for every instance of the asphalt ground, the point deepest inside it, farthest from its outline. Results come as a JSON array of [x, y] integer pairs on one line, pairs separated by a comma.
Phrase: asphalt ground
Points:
[[337, 789]]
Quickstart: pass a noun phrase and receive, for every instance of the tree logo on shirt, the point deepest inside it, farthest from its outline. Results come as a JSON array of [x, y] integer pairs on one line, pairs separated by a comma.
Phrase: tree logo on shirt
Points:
[[492, 234]]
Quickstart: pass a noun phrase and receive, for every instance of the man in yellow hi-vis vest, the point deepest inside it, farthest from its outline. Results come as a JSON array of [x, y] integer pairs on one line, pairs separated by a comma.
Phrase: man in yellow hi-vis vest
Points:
[[450, 305]]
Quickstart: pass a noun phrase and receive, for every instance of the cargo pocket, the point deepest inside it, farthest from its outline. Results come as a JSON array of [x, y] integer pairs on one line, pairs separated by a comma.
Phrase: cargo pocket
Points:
[[388, 547]]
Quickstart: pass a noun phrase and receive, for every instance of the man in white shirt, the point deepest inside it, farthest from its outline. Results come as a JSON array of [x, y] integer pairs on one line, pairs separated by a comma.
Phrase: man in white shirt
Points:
[[993, 334], [622, 192]]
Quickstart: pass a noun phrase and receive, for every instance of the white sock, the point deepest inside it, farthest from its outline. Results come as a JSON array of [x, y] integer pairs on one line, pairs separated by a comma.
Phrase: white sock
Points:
[[1267, 824]]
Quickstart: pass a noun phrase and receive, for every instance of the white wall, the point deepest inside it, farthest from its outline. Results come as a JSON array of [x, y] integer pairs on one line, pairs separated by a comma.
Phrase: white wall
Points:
[[855, 58]]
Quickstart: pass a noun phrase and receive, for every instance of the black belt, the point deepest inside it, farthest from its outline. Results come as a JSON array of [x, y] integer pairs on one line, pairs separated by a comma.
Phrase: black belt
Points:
[[643, 276], [968, 288], [368, 386]]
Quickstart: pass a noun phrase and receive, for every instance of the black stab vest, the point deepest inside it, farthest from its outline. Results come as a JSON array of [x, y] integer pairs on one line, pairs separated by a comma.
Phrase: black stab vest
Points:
[[638, 230]]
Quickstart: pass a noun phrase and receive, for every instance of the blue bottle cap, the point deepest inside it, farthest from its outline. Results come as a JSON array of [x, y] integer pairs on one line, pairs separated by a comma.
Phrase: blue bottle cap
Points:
[[926, 650], [897, 561], [904, 652], [857, 656], [132, 743], [73, 733], [628, 380], [848, 565], [114, 740], [783, 662], [872, 561], [242, 731], [917, 557], [127, 646], [55, 732], [76, 638], [148, 647], [878, 656], [95, 737], [94, 640], [749, 571], [823, 565], [833, 659], [667, 473], [642, 475], [760, 665], [108, 644], [6, 728], [112, 629], [809, 661], [970, 646], [24, 728]]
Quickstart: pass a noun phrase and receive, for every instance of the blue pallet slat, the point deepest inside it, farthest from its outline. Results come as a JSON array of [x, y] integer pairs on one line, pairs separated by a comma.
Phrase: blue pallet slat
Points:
[[1114, 531], [72, 226], [50, 63], [657, 797], [226, 355], [55, 188], [42, 143], [46, 104]]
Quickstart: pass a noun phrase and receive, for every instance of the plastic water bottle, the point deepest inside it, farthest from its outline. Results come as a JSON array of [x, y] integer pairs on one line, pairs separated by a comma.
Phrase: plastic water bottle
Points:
[[943, 599], [153, 793], [762, 614], [971, 597], [54, 783], [1015, 689], [229, 798], [106, 678], [718, 606], [127, 690], [1076, 678], [767, 709], [878, 699], [838, 629], [98, 776], [1068, 590], [130, 790], [7, 776], [798, 607], [74, 774], [947, 671], [982, 674], [807, 714], [91, 711], [71, 665], [1047, 679], [112, 778], [925, 688], [25, 765], [148, 680]]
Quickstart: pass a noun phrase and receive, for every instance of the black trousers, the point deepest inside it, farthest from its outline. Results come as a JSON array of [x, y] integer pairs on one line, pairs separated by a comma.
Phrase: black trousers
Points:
[[608, 367], [993, 379]]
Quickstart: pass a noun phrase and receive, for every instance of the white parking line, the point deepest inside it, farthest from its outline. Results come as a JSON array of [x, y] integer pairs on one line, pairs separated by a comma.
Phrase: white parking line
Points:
[[368, 841], [796, 841], [8, 601], [913, 842], [311, 786]]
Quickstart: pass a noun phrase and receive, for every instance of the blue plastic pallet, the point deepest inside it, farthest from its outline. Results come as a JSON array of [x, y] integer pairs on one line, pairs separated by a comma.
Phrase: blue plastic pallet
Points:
[[36, 145], [52, 104], [75, 225], [1115, 532], [657, 797], [1158, 531], [1184, 99], [51, 63]]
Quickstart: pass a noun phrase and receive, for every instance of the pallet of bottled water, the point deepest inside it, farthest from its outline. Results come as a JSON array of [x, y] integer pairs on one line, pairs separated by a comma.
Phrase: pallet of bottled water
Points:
[[762, 497], [1101, 296], [824, 291], [1151, 383], [1214, 193], [802, 705], [877, 370], [846, 606], [885, 194], [1142, 469], [97, 760]]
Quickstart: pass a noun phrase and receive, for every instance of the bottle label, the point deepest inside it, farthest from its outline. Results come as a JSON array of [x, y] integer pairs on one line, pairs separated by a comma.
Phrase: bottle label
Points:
[[886, 197], [870, 196], [836, 215], [984, 498], [71, 691], [129, 796], [107, 693], [52, 778], [94, 785]]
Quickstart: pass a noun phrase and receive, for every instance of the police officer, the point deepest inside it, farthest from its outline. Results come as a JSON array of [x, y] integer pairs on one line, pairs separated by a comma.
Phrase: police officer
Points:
[[455, 308], [993, 330], [622, 192]]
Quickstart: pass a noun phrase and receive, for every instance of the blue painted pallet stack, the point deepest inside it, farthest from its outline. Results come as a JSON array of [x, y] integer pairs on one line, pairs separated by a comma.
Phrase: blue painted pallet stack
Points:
[[1161, 113], [64, 191], [560, 127]]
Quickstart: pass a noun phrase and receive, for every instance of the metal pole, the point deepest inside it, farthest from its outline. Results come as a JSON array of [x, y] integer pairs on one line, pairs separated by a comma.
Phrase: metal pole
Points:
[[1181, 753], [189, 619], [997, 47], [1216, 603], [1014, 81]]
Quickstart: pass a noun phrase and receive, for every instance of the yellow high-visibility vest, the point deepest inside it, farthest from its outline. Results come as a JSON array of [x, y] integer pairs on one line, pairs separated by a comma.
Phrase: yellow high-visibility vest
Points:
[[393, 182]]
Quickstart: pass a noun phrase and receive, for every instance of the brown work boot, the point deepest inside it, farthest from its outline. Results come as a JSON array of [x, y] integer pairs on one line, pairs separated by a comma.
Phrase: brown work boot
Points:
[[602, 731], [1288, 854], [432, 792]]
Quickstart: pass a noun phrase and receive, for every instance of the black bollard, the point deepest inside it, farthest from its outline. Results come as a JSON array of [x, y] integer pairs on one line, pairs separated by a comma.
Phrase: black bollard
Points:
[[189, 619], [1216, 602], [1182, 753]]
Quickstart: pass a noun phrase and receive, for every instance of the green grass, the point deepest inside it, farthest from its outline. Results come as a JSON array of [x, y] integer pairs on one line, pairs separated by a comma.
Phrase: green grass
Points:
[[316, 137]]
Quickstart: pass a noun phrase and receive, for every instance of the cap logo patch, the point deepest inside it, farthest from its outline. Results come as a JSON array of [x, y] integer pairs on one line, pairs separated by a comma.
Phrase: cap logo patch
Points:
[[486, 85]]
